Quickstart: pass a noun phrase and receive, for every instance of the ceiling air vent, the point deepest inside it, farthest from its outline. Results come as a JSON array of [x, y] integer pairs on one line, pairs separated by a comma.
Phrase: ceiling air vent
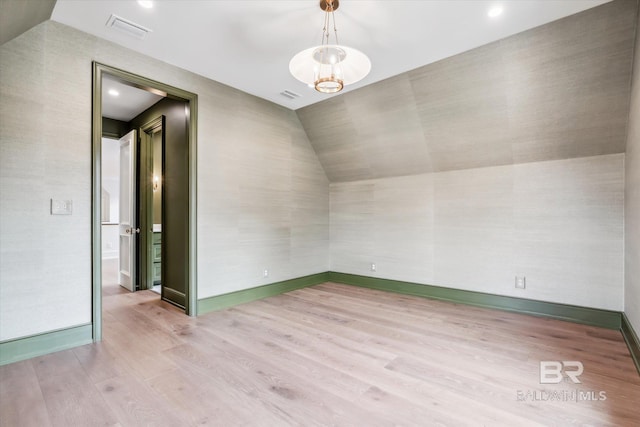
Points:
[[290, 95], [127, 27]]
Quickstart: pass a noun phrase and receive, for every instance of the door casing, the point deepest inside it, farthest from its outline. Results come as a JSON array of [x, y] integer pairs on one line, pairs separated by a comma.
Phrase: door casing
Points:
[[146, 200], [96, 203]]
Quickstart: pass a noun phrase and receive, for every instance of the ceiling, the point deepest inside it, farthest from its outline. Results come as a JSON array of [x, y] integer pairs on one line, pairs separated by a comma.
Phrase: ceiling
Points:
[[248, 44], [129, 101]]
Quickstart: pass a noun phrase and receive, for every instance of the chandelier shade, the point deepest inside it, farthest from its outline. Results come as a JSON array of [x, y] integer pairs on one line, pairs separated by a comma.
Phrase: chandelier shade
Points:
[[346, 64], [328, 67]]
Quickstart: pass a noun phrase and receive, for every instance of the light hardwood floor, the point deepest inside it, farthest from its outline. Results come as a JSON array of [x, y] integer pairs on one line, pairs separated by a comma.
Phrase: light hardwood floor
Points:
[[329, 355]]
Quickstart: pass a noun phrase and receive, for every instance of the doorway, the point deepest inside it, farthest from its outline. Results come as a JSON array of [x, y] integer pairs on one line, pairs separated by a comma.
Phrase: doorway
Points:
[[132, 175], [110, 199], [161, 226]]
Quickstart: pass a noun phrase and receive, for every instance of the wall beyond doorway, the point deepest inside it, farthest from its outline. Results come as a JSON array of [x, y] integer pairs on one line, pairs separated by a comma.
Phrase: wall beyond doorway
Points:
[[110, 184]]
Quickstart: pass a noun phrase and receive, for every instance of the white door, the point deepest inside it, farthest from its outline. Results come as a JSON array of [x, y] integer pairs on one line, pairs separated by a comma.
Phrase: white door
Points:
[[127, 227]]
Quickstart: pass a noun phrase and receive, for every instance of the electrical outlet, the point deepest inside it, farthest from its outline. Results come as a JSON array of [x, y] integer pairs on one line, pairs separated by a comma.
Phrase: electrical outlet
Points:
[[266, 273], [373, 266], [521, 282]]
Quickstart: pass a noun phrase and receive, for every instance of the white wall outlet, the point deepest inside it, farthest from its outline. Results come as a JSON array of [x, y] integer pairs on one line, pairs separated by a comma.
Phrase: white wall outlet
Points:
[[373, 266], [266, 272], [61, 207], [521, 282]]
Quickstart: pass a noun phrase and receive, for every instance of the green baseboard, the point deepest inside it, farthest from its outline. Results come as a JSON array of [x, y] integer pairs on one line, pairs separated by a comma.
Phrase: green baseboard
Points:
[[219, 302], [41, 344], [584, 315], [632, 340], [588, 316], [37, 345]]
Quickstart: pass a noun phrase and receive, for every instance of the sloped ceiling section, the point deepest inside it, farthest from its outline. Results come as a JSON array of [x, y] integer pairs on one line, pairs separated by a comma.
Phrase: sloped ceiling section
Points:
[[554, 92], [18, 16]]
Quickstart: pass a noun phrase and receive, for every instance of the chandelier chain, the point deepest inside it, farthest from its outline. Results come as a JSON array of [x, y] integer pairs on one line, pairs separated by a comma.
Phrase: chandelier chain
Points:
[[329, 16], [335, 29], [324, 30]]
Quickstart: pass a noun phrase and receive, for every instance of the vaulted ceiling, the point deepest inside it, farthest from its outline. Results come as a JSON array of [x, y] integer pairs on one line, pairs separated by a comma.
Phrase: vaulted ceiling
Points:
[[554, 92], [18, 16], [557, 91], [248, 44]]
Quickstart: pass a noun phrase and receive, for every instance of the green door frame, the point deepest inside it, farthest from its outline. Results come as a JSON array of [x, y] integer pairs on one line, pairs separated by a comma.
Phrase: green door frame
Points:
[[146, 199], [96, 241]]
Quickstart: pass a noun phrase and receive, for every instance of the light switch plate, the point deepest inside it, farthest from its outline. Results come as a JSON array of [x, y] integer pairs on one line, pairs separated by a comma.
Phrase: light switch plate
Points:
[[61, 207]]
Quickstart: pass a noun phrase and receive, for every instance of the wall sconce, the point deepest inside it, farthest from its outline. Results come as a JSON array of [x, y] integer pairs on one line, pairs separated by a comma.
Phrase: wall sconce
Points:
[[156, 180]]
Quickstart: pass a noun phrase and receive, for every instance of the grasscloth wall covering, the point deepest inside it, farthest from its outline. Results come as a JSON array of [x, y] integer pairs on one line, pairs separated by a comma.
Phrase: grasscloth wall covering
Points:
[[559, 223], [263, 197], [632, 201], [515, 153], [554, 92]]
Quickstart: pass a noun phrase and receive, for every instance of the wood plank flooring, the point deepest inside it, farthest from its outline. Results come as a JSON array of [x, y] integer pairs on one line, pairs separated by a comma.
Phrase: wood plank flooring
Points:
[[328, 355]]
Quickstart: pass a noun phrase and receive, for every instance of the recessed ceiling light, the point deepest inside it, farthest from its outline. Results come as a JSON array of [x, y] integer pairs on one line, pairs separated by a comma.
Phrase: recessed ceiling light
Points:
[[113, 92], [147, 4], [495, 11]]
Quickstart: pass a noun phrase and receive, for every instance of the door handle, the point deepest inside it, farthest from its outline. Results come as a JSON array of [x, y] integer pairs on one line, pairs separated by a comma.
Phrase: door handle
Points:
[[132, 230]]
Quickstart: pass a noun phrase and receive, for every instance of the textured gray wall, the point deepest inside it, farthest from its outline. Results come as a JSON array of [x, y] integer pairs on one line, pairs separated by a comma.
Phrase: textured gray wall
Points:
[[505, 160], [558, 91], [558, 223], [632, 201], [263, 197]]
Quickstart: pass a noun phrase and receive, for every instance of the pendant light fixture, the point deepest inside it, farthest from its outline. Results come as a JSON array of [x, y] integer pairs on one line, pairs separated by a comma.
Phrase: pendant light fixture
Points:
[[329, 66]]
